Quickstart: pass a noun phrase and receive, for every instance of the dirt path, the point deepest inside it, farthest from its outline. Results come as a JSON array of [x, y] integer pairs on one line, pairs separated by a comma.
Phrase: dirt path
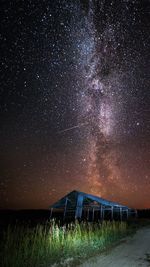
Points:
[[130, 253]]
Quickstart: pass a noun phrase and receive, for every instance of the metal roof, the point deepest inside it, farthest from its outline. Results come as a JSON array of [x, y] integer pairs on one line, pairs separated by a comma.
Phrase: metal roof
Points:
[[75, 194]]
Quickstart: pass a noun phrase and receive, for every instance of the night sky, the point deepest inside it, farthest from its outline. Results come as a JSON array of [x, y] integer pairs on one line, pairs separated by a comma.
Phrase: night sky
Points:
[[74, 101]]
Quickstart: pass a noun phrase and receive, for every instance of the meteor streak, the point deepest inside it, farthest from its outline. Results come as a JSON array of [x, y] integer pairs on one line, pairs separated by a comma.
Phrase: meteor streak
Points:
[[73, 127]]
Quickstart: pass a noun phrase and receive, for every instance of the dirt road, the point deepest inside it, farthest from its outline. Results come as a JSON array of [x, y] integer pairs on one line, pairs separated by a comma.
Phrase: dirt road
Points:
[[133, 252]]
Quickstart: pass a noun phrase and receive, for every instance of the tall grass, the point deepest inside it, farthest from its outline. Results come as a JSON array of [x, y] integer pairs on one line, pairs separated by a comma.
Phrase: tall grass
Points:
[[51, 244]]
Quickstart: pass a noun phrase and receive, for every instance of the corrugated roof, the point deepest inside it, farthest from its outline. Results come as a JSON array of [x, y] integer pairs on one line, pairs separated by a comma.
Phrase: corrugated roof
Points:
[[75, 193]]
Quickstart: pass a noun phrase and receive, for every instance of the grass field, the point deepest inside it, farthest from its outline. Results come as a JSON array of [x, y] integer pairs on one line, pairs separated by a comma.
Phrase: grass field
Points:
[[54, 245]]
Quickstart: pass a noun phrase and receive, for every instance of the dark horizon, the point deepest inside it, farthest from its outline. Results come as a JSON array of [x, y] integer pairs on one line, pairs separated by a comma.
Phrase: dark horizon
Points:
[[74, 101]]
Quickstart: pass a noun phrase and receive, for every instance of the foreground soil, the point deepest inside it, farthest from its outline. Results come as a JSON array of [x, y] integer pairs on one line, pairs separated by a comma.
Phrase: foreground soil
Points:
[[133, 251]]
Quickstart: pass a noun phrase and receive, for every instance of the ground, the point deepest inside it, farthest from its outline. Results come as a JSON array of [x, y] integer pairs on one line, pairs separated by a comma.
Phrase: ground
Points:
[[133, 251]]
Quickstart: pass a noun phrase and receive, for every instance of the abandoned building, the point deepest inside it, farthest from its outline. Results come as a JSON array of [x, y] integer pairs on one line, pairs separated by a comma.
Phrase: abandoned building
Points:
[[82, 206]]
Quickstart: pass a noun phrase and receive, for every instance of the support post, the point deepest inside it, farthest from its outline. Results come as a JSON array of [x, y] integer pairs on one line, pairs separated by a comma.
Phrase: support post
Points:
[[87, 214], [121, 213], [112, 212], [51, 213], [79, 206], [93, 214], [127, 214], [101, 212], [104, 214], [65, 208]]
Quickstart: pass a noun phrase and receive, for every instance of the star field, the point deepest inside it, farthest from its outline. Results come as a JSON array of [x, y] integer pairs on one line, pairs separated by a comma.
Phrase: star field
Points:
[[74, 101]]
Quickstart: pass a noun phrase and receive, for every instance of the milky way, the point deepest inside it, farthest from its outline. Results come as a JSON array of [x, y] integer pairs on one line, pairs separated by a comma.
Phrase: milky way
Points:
[[100, 99], [74, 101]]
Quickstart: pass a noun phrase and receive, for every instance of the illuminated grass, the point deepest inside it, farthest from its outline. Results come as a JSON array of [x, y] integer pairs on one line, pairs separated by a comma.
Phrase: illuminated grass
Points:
[[50, 245]]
